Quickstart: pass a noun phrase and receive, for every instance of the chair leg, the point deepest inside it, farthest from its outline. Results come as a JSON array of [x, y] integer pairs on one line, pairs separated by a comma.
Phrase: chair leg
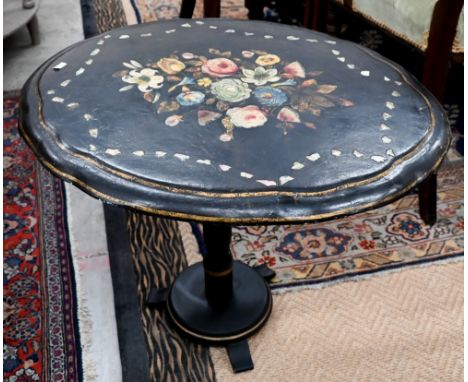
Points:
[[186, 9], [315, 15], [211, 8], [439, 49], [428, 199], [308, 12]]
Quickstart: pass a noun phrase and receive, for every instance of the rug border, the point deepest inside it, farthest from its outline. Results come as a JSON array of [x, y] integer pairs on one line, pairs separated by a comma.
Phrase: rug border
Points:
[[44, 293], [364, 275], [58, 186], [352, 276]]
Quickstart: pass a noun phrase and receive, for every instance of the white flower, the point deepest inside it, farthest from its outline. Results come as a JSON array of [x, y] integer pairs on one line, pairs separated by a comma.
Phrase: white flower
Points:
[[260, 76], [146, 79]]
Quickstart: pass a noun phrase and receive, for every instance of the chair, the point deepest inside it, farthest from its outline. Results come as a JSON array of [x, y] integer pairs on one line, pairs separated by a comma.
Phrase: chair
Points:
[[435, 27]]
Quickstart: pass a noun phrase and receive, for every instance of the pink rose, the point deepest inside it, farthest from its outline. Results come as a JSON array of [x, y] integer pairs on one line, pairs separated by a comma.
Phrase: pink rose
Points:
[[247, 116], [219, 67]]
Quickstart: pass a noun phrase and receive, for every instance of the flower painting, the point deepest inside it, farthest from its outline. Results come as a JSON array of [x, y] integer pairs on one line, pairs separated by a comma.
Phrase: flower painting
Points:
[[145, 79], [219, 67], [247, 116], [233, 92], [230, 90]]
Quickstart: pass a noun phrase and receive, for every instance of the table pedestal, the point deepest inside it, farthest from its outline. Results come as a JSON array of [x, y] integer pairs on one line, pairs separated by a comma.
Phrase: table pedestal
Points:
[[220, 301], [245, 311]]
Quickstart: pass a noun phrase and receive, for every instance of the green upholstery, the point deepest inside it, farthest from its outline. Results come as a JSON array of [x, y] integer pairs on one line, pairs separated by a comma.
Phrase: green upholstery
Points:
[[407, 19]]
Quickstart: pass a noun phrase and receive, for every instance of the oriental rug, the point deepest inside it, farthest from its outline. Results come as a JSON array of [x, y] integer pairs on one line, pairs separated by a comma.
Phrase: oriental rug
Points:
[[383, 239], [40, 331], [387, 238]]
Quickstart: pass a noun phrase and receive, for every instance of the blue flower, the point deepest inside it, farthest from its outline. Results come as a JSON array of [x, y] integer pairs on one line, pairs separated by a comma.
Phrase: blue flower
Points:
[[270, 96], [410, 226], [190, 98]]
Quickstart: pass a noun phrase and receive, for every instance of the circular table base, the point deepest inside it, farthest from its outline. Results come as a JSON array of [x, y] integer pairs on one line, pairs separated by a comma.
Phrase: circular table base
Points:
[[246, 312]]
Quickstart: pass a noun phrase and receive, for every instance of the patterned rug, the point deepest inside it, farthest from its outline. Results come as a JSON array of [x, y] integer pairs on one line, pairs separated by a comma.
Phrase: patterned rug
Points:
[[40, 338], [390, 237]]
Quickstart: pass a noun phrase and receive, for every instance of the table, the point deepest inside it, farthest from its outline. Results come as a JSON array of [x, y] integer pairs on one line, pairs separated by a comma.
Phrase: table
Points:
[[15, 16], [226, 122]]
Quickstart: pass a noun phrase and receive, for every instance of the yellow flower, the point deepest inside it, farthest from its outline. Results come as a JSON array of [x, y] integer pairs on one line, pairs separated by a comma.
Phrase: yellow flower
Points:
[[267, 59], [205, 82], [171, 65]]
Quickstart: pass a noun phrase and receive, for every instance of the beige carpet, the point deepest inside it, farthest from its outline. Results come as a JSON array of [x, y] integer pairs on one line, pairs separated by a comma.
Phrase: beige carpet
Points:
[[403, 326]]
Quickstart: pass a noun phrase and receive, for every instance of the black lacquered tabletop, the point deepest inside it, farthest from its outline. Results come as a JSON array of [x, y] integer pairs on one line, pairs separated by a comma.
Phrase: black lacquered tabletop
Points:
[[232, 121]]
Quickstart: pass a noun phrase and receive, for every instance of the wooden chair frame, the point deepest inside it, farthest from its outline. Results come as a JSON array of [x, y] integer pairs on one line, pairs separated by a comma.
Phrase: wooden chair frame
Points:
[[438, 53]]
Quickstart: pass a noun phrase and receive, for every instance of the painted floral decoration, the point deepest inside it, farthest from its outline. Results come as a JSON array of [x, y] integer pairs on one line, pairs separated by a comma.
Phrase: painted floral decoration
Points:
[[260, 75], [247, 117], [145, 79], [230, 90], [219, 67], [171, 65], [234, 92], [189, 98], [270, 96]]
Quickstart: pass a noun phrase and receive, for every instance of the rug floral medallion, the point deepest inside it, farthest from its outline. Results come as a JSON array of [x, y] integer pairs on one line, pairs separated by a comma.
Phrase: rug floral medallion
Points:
[[387, 238]]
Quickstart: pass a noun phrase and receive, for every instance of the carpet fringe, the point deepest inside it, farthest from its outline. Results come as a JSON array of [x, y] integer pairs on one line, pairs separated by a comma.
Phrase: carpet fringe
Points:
[[358, 278], [84, 316], [85, 325]]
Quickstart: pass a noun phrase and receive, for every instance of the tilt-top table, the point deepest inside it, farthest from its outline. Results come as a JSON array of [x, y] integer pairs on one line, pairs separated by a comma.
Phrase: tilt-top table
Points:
[[233, 122]]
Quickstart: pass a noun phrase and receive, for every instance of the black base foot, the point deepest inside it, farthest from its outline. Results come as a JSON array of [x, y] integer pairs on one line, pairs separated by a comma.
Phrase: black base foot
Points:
[[157, 298], [265, 272], [239, 355], [245, 313]]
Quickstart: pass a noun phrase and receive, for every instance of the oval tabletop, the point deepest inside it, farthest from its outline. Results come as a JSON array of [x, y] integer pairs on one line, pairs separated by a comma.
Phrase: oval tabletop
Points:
[[232, 121]]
